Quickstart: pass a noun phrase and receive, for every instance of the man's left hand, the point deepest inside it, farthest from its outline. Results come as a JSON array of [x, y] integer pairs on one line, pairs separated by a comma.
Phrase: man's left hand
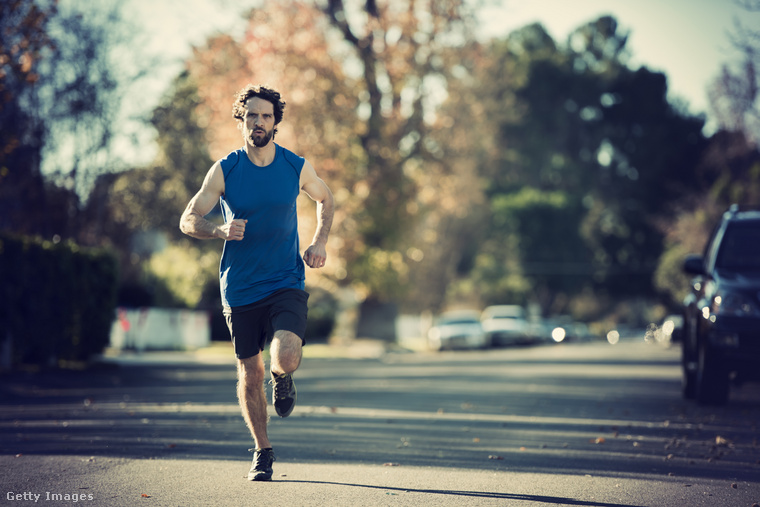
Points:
[[315, 256]]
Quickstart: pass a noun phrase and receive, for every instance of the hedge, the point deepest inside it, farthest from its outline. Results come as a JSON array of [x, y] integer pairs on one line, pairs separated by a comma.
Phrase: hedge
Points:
[[57, 300]]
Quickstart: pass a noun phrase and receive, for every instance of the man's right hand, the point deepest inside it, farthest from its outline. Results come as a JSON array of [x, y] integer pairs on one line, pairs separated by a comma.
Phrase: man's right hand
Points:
[[233, 231]]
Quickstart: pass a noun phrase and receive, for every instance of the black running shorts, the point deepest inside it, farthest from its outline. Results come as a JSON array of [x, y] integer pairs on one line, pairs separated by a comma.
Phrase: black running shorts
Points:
[[253, 326]]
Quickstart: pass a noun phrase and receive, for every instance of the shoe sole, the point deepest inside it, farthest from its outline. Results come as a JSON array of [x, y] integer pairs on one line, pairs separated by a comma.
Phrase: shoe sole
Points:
[[286, 414]]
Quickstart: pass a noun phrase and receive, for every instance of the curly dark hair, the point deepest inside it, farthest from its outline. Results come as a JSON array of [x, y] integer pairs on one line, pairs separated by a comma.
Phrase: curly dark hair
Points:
[[251, 90]]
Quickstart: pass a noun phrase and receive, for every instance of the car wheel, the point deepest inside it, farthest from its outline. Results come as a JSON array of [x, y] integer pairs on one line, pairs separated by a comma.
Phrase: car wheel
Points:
[[712, 385]]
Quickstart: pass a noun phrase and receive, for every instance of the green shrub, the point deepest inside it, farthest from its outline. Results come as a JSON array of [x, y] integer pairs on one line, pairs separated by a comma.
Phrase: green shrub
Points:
[[57, 300]]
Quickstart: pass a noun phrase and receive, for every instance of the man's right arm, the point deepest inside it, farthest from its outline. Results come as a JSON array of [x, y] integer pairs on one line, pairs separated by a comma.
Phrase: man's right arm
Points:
[[193, 221]]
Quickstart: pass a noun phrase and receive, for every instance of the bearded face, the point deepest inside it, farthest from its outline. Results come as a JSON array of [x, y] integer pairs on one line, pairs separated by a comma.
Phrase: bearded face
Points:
[[259, 127]]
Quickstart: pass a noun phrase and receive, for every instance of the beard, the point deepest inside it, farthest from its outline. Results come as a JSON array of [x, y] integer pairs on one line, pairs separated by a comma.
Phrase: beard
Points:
[[259, 139]]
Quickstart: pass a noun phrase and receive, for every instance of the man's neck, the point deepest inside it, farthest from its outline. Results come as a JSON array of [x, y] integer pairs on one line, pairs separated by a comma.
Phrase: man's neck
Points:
[[262, 156]]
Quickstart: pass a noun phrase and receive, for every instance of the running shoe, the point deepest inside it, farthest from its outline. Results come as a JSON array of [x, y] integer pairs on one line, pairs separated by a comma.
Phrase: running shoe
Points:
[[261, 467], [283, 394]]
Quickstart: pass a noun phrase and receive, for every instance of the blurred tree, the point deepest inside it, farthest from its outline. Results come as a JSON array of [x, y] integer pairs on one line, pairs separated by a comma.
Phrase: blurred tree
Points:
[[607, 152], [153, 198], [733, 97], [412, 57], [186, 271], [734, 93], [729, 170], [63, 88], [543, 246], [24, 38], [647, 161], [399, 48], [79, 99], [452, 210]]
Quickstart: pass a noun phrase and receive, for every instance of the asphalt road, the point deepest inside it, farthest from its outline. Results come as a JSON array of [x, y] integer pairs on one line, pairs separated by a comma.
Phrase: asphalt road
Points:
[[574, 424]]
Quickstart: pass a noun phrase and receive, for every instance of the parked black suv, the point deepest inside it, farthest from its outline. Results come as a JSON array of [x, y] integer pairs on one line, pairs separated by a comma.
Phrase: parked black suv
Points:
[[721, 334]]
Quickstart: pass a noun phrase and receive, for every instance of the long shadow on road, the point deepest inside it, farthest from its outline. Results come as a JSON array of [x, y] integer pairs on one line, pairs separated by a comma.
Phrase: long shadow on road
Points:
[[551, 500]]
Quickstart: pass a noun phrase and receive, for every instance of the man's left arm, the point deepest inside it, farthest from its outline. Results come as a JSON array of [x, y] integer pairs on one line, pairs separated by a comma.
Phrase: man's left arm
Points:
[[316, 254]]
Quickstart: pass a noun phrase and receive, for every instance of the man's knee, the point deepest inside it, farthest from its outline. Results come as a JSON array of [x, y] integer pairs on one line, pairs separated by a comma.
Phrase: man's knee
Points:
[[286, 351], [288, 339]]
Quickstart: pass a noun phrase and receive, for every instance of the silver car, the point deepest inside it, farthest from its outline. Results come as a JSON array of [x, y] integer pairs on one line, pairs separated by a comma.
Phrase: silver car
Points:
[[506, 325], [457, 330]]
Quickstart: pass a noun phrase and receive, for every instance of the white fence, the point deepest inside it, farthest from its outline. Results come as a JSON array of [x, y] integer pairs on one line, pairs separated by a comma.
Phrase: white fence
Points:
[[160, 329]]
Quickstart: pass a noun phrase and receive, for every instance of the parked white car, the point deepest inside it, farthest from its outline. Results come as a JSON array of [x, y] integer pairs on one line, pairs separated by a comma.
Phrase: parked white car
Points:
[[506, 325], [457, 330]]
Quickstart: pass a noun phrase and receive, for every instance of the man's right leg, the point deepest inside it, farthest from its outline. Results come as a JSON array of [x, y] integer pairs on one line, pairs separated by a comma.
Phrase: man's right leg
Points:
[[253, 404], [252, 398]]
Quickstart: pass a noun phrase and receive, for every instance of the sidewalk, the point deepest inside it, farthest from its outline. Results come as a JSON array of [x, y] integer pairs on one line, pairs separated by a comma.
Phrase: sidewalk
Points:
[[222, 353]]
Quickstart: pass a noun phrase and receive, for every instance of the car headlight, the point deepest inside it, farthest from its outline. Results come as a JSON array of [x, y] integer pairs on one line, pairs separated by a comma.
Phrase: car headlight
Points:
[[735, 304]]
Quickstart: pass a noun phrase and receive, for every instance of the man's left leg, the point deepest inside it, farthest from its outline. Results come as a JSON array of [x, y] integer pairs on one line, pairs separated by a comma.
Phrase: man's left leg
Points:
[[285, 354]]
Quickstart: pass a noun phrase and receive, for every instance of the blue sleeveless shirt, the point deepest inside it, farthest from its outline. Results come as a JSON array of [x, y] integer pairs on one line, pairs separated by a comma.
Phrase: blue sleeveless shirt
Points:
[[268, 258]]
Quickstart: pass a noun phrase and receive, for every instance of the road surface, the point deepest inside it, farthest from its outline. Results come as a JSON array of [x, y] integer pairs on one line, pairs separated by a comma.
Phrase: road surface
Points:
[[586, 424]]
